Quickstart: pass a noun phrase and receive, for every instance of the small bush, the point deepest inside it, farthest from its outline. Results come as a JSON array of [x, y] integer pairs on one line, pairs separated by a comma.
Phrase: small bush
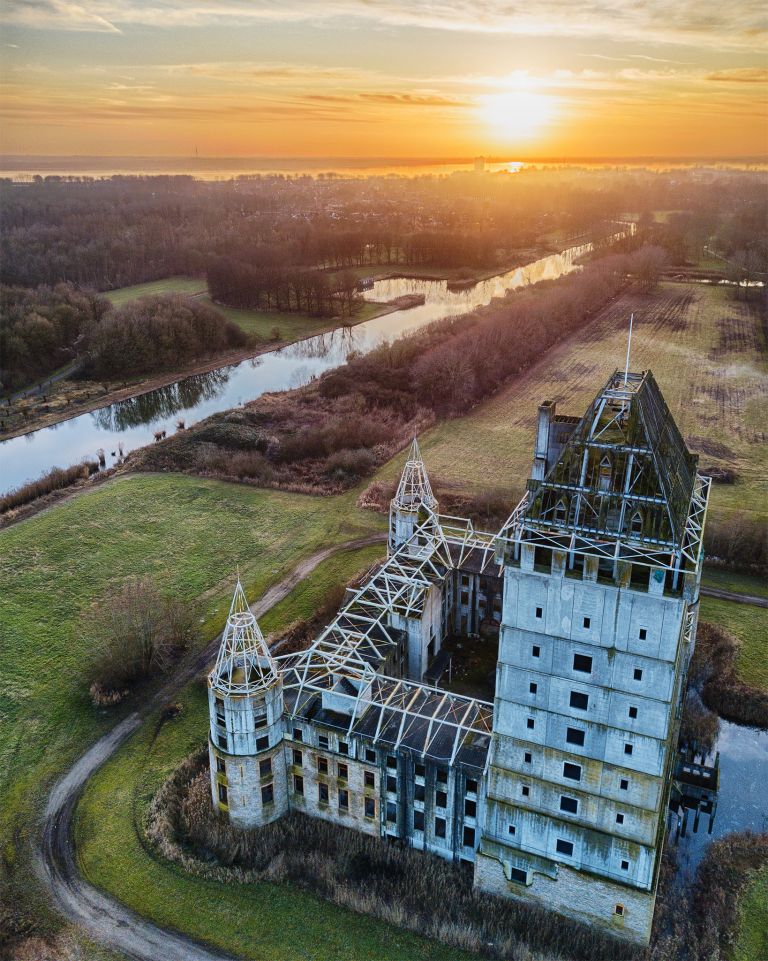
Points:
[[135, 632], [350, 464], [53, 480]]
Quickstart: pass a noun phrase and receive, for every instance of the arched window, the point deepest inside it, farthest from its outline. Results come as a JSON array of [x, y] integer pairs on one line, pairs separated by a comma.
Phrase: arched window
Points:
[[605, 474], [636, 523]]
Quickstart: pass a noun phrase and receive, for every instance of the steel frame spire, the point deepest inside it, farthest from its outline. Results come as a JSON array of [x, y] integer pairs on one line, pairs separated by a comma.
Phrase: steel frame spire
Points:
[[244, 666], [414, 489]]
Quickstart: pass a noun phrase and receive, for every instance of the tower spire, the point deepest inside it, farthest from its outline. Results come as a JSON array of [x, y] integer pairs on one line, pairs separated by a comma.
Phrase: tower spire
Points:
[[414, 489], [244, 665]]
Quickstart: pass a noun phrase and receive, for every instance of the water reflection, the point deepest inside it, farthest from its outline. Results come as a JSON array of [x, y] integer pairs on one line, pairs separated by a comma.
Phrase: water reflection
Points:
[[134, 422], [161, 403]]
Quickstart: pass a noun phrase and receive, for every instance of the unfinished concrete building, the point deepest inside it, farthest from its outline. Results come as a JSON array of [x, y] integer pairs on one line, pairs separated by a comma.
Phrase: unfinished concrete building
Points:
[[557, 791]]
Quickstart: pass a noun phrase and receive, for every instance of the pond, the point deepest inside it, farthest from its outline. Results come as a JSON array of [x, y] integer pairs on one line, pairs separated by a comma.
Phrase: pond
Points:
[[743, 799], [132, 423]]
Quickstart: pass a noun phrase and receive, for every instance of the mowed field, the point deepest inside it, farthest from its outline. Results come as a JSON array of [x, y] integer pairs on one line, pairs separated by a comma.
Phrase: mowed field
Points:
[[170, 285], [706, 350], [189, 534]]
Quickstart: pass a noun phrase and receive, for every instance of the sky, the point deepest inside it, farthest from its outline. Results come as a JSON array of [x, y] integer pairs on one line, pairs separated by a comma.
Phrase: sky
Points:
[[385, 78]]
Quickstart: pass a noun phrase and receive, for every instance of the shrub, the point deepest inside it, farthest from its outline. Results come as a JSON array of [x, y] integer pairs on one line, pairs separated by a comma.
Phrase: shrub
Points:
[[713, 674], [55, 479], [135, 631], [738, 542]]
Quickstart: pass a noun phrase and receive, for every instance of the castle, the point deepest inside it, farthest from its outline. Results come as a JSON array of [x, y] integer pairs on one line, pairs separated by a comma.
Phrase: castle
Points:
[[556, 793]]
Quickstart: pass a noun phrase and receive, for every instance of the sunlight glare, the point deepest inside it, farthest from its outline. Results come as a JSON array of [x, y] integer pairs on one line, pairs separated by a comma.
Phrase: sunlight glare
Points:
[[518, 114]]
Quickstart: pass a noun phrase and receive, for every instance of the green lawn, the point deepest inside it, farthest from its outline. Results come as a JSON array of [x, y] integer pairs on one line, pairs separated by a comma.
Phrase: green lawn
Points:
[[750, 625], [191, 534], [170, 285], [752, 931], [738, 583], [261, 921], [262, 324]]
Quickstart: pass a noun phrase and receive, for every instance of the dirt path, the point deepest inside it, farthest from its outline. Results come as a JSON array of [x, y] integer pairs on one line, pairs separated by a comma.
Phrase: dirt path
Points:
[[105, 918], [733, 596]]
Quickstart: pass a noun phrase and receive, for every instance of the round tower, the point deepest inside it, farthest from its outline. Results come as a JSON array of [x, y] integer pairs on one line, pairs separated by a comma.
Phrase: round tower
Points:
[[413, 501], [245, 702]]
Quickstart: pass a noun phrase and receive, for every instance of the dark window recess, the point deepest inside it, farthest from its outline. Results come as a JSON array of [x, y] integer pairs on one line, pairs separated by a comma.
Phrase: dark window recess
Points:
[[470, 809], [624, 784], [418, 820], [370, 756], [344, 800], [419, 770], [298, 758], [627, 748], [391, 812], [619, 818], [512, 830], [343, 747], [370, 779], [469, 837], [643, 634], [298, 784], [569, 804], [221, 767], [517, 874], [638, 674], [564, 847], [625, 865], [370, 807], [583, 663], [298, 734], [391, 760], [265, 767], [268, 794], [572, 771], [579, 700], [574, 736], [539, 612], [343, 772], [633, 712], [323, 741], [223, 793], [525, 790], [439, 827], [260, 721], [441, 799], [533, 687], [222, 741], [391, 783], [442, 776], [619, 910], [419, 792], [262, 743], [322, 793], [535, 650], [471, 786], [587, 622], [322, 765], [530, 724], [528, 757]]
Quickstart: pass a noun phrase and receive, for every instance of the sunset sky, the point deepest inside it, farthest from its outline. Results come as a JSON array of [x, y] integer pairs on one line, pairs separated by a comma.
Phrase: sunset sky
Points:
[[385, 78]]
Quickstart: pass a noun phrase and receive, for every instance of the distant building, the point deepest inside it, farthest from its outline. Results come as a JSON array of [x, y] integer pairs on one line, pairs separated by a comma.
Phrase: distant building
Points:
[[557, 791]]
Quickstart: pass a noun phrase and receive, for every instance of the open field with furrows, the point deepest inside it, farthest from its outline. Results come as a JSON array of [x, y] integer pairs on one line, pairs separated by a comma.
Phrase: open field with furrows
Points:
[[706, 350], [263, 921], [191, 535]]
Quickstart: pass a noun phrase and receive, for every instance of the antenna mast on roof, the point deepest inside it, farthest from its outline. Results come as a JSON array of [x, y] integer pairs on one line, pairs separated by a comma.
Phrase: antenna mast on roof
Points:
[[629, 347]]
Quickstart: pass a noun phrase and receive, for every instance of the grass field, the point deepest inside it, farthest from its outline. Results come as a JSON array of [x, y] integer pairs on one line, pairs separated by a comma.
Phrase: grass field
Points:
[[751, 941], [170, 285], [291, 326], [262, 921], [191, 535], [738, 583], [750, 625], [706, 350]]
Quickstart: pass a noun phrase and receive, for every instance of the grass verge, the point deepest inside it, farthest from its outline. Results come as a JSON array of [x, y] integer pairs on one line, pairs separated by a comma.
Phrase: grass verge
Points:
[[751, 937], [750, 625]]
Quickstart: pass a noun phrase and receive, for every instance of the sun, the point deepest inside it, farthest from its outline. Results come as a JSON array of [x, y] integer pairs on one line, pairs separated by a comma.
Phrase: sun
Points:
[[517, 115]]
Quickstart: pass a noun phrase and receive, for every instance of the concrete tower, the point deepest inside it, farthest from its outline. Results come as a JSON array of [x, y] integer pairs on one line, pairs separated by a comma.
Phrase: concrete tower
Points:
[[245, 702], [602, 561], [412, 503]]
